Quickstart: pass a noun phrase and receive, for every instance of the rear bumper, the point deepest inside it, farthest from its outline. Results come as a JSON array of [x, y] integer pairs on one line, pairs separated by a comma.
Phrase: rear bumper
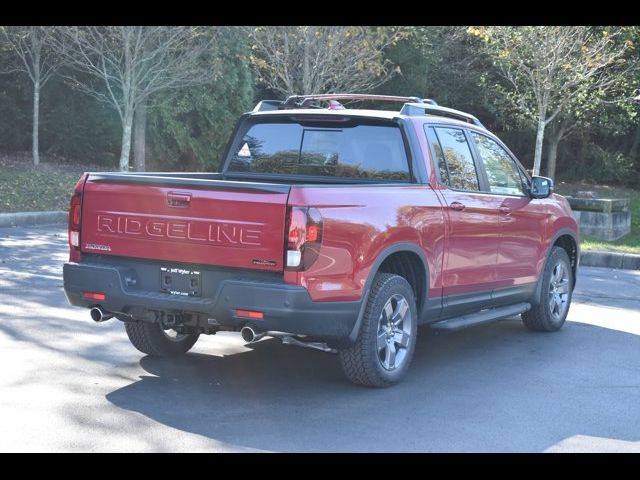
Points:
[[133, 288]]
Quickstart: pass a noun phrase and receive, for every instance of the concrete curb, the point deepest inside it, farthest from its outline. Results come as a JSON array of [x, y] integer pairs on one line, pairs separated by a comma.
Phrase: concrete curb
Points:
[[25, 219], [626, 261]]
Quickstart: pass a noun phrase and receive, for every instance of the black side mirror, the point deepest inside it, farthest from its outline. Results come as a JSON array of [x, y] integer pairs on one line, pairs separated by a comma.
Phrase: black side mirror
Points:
[[541, 187]]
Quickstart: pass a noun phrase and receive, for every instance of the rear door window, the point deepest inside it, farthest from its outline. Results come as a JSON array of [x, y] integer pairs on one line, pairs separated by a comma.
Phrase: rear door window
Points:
[[436, 152], [460, 166], [372, 152]]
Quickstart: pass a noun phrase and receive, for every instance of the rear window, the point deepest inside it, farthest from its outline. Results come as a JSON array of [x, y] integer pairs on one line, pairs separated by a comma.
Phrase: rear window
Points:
[[372, 152]]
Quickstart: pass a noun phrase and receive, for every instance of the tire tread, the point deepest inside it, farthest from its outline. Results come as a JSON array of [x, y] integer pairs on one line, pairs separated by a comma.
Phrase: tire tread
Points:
[[537, 319], [356, 361], [148, 338]]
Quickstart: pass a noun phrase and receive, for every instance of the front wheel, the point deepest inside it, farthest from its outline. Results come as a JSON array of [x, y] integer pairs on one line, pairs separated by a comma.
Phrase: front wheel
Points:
[[153, 339], [384, 348], [550, 310]]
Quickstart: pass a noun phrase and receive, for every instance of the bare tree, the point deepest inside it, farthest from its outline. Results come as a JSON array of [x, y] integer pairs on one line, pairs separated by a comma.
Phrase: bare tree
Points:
[[305, 60], [547, 67], [34, 56], [135, 63]]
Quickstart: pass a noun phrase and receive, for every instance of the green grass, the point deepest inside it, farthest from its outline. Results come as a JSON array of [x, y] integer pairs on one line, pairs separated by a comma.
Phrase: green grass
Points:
[[629, 243], [25, 189]]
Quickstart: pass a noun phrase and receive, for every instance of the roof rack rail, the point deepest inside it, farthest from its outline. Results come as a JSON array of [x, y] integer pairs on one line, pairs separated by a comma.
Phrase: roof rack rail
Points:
[[413, 106], [302, 101], [413, 109]]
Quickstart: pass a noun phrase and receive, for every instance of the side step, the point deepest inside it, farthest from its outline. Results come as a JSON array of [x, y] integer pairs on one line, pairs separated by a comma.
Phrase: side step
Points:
[[483, 316]]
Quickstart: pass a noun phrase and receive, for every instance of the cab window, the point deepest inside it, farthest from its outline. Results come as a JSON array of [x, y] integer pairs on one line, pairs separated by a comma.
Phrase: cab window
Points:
[[502, 171]]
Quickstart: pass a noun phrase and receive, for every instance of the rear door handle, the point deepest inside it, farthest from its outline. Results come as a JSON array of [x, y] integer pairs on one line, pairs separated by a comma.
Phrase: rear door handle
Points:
[[180, 200], [457, 206], [505, 210]]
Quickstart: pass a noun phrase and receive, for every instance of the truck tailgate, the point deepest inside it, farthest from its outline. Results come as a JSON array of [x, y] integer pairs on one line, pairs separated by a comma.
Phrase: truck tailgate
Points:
[[215, 222]]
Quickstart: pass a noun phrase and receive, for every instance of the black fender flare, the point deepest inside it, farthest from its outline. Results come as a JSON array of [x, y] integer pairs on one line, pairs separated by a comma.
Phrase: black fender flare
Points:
[[396, 247], [563, 231]]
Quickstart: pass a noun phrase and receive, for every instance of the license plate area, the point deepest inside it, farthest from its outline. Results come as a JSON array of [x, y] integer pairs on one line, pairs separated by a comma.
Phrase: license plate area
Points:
[[180, 281]]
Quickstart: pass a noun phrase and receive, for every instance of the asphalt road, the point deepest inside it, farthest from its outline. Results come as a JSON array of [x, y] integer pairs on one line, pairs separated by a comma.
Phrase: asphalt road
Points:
[[68, 384]]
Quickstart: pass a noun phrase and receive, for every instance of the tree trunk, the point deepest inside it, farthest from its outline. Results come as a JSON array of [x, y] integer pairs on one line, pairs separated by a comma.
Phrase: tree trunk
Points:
[[306, 68], [140, 137], [552, 152], [35, 147], [537, 158], [126, 139]]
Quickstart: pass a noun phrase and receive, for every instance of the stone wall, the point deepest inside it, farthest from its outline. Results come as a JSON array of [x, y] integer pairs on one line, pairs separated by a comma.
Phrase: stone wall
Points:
[[603, 218]]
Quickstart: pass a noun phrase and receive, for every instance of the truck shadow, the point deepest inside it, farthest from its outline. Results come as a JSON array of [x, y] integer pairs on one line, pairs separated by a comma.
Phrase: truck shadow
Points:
[[495, 387]]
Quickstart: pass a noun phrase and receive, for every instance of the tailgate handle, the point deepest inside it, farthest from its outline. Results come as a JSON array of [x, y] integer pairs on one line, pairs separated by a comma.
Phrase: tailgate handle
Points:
[[178, 200]]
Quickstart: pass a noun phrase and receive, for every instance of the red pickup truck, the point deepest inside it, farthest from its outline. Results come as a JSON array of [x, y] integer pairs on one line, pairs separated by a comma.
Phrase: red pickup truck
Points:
[[332, 228]]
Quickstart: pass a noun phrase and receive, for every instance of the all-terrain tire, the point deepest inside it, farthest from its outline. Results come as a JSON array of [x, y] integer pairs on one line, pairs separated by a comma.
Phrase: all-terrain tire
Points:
[[546, 315], [150, 338], [364, 362]]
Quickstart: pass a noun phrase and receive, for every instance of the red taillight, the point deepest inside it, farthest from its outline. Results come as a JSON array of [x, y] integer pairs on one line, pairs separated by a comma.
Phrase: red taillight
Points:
[[297, 227], [76, 214], [74, 211], [94, 295], [312, 233], [304, 226], [75, 220], [250, 314]]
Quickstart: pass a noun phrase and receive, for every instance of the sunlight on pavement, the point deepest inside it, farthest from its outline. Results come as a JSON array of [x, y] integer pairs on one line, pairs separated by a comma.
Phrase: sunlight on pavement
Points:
[[589, 444], [620, 319]]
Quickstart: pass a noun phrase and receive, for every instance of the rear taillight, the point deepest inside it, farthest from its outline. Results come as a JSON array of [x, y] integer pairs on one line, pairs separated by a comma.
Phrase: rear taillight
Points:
[[75, 220], [304, 226]]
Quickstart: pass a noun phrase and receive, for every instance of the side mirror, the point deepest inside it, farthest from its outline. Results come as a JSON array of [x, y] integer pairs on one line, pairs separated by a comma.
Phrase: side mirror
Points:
[[541, 187]]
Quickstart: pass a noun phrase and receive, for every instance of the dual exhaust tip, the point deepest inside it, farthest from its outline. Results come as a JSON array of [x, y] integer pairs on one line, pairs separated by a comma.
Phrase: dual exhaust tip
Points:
[[249, 335], [99, 315]]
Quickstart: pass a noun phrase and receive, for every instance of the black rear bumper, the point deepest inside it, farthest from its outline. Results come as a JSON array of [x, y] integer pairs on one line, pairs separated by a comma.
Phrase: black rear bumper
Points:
[[132, 287]]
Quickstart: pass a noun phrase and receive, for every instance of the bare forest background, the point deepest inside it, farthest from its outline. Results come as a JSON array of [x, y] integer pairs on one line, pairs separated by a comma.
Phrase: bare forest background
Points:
[[564, 99]]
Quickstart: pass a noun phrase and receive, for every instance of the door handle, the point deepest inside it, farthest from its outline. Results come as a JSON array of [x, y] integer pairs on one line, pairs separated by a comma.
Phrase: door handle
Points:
[[505, 210], [178, 199], [457, 206]]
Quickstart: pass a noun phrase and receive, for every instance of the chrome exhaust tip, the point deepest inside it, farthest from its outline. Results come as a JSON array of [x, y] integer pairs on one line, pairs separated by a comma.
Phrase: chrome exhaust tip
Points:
[[100, 315], [249, 335]]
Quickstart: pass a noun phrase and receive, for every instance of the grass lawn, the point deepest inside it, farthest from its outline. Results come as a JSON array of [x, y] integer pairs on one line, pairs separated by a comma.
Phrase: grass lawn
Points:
[[25, 188], [629, 243]]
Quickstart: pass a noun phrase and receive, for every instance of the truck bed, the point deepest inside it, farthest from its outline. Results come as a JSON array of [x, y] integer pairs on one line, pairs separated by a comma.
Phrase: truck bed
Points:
[[190, 218]]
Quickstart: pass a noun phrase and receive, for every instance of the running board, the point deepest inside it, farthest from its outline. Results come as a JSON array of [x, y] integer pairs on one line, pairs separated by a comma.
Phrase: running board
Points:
[[482, 316]]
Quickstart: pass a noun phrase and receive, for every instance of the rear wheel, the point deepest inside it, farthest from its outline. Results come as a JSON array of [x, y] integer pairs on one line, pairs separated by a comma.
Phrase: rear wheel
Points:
[[384, 348], [550, 311], [154, 339]]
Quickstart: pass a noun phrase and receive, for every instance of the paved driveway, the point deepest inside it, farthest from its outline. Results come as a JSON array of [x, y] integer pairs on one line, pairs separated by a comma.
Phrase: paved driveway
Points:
[[68, 384]]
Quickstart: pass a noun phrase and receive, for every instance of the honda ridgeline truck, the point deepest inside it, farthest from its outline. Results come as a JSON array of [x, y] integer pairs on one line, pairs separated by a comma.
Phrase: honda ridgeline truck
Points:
[[332, 228]]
